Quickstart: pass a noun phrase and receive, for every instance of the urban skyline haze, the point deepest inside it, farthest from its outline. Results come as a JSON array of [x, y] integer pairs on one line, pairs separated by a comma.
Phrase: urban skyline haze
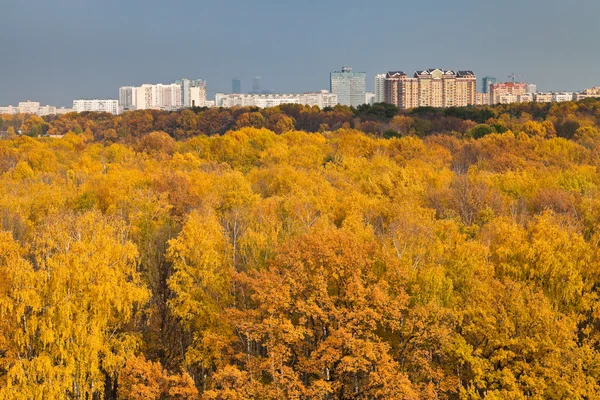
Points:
[[58, 51]]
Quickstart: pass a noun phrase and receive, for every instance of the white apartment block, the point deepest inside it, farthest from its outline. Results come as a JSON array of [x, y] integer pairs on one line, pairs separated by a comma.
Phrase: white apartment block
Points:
[[542, 97], [29, 107], [47, 110], [320, 99], [197, 96], [109, 106], [563, 96], [380, 88], [9, 110], [157, 97]]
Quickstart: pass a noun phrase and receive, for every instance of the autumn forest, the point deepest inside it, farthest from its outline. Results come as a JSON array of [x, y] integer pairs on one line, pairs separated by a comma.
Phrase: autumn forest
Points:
[[298, 253]]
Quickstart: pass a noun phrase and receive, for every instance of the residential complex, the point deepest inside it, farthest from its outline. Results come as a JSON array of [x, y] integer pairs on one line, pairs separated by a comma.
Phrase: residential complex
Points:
[[34, 107], [350, 87], [109, 106], [183, 93], [431, 88], [321, 99]]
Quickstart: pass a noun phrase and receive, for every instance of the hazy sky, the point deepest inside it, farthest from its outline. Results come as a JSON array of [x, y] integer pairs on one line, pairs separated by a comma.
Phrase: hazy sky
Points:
[[54, 51]]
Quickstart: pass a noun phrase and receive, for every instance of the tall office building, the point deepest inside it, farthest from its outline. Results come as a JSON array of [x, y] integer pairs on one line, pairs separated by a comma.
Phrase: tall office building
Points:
[[186, 88], [486, 82], [126, 94], [380, 88], [500, 91], [236, 86], [350, 87], [431, 88], [256, 84]]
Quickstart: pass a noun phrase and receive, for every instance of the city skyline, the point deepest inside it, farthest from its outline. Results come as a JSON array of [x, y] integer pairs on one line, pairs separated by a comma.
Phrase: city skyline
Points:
[[70, 49]]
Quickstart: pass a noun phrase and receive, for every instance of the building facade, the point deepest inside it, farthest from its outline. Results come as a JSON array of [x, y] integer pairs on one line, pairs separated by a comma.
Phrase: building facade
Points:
[[350, 87], [380, 88], [486, 82], [498, 90], [96, 105], [126, 97], [431, 88], [320, 99]]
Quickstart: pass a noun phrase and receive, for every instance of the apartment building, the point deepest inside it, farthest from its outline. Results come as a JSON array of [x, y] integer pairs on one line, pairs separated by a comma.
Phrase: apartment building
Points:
[[96, 105], [431, 88], [320, 99], [501, 90], [157, 97]]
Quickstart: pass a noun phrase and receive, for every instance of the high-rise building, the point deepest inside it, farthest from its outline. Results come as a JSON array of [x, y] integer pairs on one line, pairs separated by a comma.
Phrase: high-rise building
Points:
[[236, 86], [379, 88], [499, 90], [531, 88], [486, 82], [256, 84], [350, 87], [126, 94], [431, 88], [109, 106], [186, 88]]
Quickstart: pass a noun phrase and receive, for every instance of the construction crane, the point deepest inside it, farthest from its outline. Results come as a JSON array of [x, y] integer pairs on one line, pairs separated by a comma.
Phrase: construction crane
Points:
[[514, 77]]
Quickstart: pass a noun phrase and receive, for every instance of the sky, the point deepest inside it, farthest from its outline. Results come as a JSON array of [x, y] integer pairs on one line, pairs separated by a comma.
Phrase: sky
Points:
[[54, 51]]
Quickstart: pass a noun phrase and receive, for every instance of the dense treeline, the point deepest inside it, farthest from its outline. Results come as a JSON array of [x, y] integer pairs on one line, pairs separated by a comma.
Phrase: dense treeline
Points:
[[324, 265], [383, 120]]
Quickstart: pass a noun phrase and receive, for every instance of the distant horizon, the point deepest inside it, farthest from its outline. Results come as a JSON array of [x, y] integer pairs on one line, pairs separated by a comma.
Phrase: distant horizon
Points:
[[56, 52]]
